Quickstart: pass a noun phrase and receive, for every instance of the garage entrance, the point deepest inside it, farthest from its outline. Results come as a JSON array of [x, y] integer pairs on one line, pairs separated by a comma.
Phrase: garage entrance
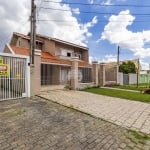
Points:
[[14, 76]]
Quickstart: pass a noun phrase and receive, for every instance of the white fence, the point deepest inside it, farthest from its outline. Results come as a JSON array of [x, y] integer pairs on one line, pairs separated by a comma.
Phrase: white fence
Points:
[[126, 79]]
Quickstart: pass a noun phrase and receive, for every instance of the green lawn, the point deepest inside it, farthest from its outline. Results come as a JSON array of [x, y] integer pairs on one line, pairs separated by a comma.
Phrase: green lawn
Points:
[[132, 87], [121, 94]]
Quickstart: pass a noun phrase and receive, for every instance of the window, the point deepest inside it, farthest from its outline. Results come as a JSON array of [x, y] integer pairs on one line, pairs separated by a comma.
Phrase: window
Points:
[[19, 43], [39, 45], [78, 55], [68, 54]]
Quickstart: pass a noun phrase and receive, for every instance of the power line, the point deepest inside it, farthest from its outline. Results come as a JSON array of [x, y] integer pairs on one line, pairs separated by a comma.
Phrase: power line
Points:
[[39, 7], [69, 25], [97, 4], [38, 10], [67, 21], [88, 12]]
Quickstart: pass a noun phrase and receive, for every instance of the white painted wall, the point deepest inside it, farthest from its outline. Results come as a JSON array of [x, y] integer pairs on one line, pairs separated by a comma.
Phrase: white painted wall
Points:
[[120, 78], [132, 78]]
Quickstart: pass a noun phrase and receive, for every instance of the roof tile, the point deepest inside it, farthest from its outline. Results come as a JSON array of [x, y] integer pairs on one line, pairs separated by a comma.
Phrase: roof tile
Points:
[[46, 57]]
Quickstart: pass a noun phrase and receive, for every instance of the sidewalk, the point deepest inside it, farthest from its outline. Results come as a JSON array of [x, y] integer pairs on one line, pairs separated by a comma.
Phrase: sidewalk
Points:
[[129, 114]]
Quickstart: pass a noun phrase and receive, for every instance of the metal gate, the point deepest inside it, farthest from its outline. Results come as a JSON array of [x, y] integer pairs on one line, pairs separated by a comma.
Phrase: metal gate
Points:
[[125, 79], [14, 76]]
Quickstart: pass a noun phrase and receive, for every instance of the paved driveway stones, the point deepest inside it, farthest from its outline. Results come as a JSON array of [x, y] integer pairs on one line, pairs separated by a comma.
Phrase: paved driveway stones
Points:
[[38, 124], [130, 114]]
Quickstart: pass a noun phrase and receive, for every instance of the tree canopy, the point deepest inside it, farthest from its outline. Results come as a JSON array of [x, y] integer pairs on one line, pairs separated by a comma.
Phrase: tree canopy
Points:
[[127, 67]]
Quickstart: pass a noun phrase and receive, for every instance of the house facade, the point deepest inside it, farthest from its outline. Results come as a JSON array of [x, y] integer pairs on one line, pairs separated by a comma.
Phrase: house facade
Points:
[[55, 58]]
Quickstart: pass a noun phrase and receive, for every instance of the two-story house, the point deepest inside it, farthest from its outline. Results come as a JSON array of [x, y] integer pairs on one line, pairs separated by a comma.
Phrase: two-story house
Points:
[[56, 57]]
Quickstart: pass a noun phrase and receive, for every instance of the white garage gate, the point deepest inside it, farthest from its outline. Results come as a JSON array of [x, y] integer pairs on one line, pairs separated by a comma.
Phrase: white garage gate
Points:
[[14, 76]]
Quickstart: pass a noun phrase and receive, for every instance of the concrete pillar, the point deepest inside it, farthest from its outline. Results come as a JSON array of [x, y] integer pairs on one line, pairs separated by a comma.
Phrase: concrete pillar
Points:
[[74, 73], [95, 70], [35, 74], [102, 74]]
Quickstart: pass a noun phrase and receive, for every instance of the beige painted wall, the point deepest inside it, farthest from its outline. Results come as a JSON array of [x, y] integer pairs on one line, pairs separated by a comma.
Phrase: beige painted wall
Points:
[[49, 46], [52, 47], [23, 43], [74, 50], [6, 49], [85, 56]]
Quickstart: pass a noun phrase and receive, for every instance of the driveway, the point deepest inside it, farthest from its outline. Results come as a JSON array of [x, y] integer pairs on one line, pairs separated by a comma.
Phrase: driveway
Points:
[[38, 124], [129, 114]]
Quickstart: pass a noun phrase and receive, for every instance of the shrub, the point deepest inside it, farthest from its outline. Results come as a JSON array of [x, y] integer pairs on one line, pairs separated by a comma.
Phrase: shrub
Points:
[[67, 87], [146, 91]]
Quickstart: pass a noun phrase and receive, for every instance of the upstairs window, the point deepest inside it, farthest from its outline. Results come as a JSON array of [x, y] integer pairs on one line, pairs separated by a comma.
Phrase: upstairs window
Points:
[[39, 45], [78, 55], [19, 43], [68, 54]]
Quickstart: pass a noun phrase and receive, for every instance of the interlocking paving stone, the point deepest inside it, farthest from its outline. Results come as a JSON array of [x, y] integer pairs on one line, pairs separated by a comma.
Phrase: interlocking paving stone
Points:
[[126, 113], [38, 124]]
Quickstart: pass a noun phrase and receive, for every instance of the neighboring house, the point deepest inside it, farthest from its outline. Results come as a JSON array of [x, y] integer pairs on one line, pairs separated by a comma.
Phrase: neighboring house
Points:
[[135, 61], [111, 75], [145, 72], [144, 76], [56, 57]]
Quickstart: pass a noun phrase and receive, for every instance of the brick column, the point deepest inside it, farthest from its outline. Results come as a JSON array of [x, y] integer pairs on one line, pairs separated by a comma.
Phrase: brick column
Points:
[[95, 70], [35, 74], [74, 73], [102, 74]]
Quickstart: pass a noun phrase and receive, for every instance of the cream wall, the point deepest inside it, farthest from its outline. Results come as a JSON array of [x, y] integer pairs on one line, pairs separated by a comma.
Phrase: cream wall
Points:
[[49, 46], [21, 42]]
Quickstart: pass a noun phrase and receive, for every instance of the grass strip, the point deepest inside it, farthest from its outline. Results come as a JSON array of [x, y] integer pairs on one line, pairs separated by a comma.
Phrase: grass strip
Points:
[[120, 94]]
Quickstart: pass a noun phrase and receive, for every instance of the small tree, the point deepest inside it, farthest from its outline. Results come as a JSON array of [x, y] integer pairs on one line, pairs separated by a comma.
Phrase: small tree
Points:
[[127, 67]]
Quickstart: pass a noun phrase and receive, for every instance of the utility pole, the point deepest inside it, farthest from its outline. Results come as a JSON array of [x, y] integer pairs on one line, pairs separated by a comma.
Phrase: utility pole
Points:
[[118, 55], [138, 72], [32, 31]]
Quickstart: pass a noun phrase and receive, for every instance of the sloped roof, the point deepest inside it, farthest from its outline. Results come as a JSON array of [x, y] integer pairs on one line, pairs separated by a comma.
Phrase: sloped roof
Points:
[[20, 51], [26, 36], [50, 38], [46, 57]]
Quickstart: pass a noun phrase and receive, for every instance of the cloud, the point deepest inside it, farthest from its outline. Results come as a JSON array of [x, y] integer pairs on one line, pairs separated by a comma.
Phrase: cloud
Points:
[[145, 65], [14, 19], [85, 27], [121, 0], [76, 10], [92, 23], [103, 2], [107, 2], [105, 59], [91, 1], [109, 58], [93, 58], [116, 32]]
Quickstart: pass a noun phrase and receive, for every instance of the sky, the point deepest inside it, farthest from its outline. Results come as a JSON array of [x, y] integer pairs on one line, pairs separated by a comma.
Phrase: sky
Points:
[[101, 25]]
